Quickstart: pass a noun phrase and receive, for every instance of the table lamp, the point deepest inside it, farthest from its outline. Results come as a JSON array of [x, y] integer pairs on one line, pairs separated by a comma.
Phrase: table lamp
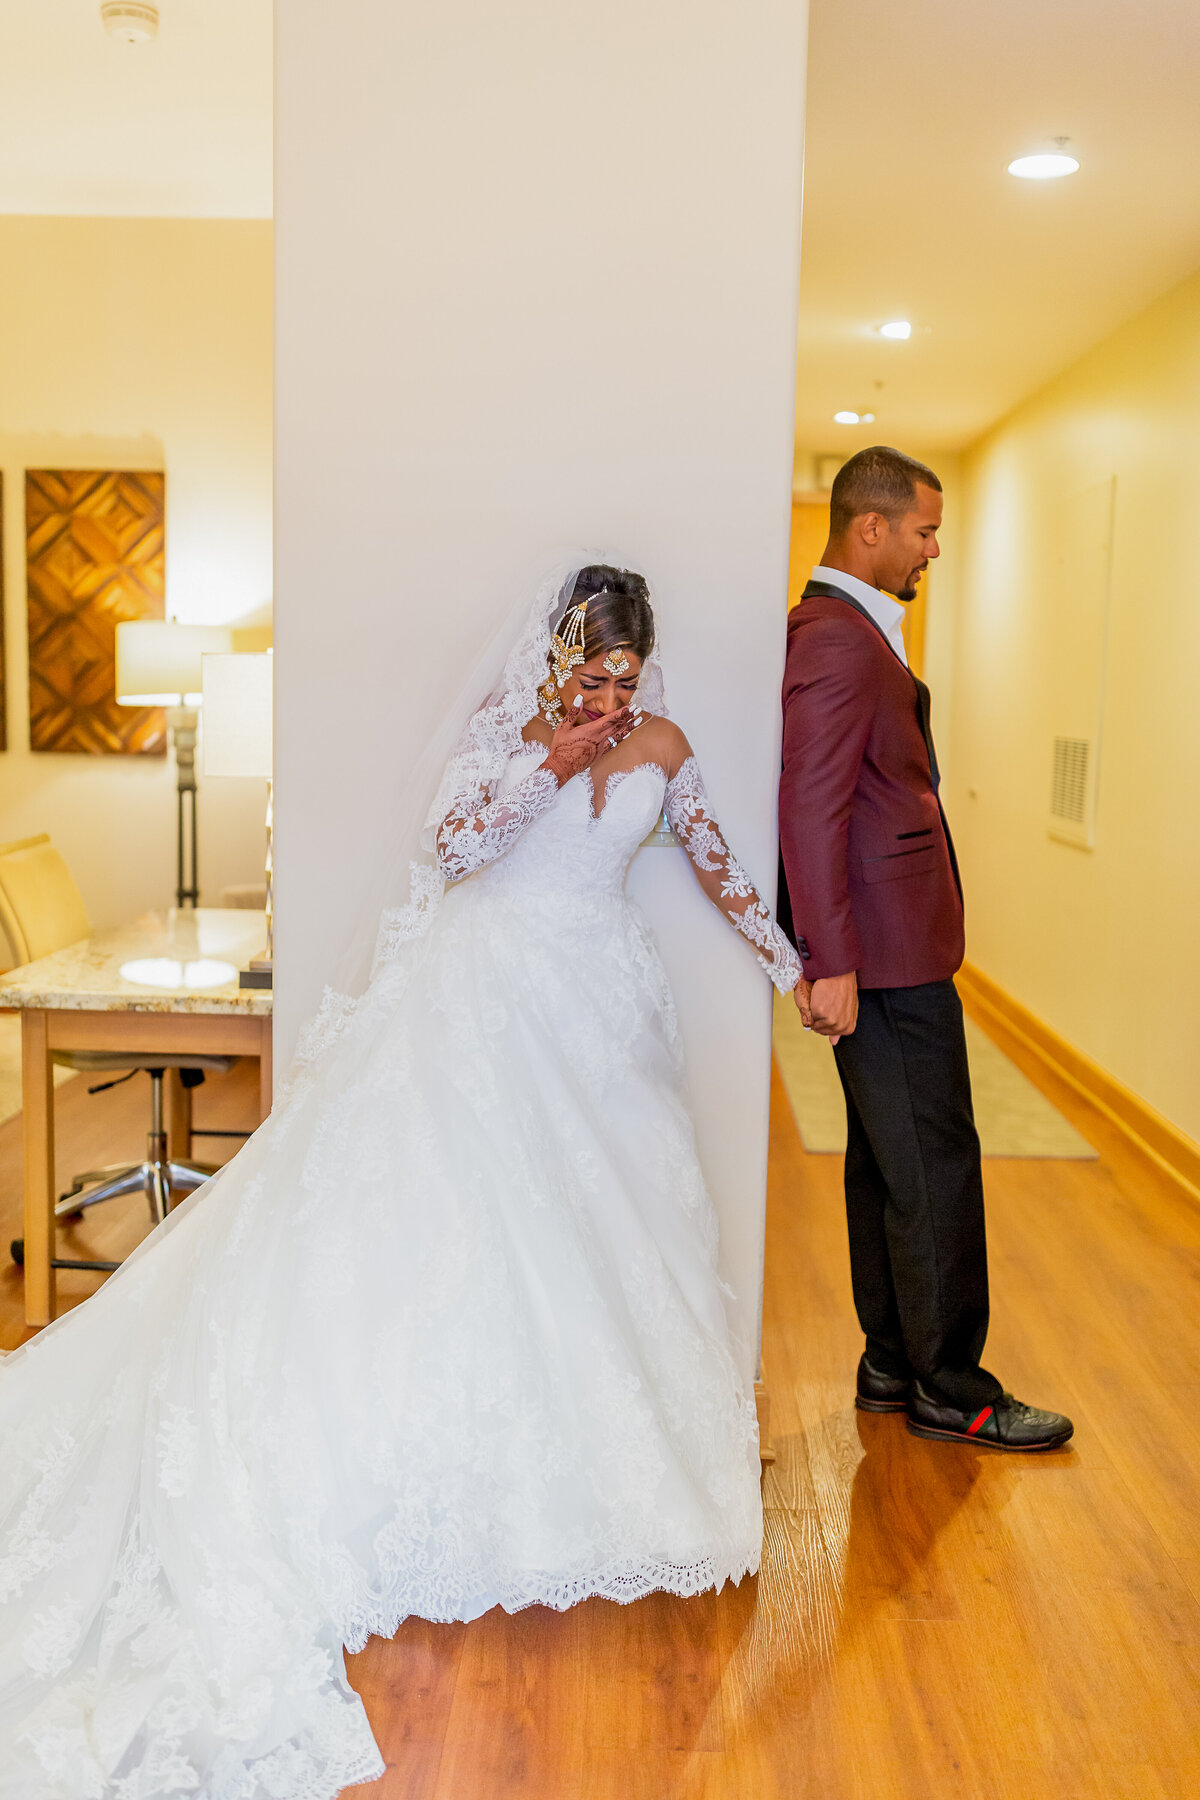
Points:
[[238, 721], [158, 664]]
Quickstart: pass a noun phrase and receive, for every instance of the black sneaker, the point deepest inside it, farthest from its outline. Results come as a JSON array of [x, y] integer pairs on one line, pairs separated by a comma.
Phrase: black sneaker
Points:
[[880, 1393], [1005, 1424]]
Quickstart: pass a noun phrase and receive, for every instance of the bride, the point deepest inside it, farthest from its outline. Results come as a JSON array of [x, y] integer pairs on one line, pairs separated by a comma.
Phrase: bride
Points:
[[446, 1334]]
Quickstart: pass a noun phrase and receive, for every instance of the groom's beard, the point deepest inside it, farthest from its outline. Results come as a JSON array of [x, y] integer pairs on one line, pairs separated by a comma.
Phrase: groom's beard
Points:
[[909, 591]]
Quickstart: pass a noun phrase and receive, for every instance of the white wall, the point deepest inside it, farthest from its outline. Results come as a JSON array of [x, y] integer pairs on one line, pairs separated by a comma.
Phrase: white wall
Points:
[[139, 343], [537, 273]]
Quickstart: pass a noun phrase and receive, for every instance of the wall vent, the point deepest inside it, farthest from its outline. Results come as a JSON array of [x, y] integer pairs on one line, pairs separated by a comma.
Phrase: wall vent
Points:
[[1068, 790], [1071, 791]]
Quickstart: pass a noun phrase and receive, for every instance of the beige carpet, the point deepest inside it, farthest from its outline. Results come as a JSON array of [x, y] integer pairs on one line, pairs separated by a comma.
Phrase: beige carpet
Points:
[[10, 1066], [1014, 1119]]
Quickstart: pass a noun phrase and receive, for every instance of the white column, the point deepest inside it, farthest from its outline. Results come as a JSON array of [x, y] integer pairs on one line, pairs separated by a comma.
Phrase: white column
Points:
[[537, 271]]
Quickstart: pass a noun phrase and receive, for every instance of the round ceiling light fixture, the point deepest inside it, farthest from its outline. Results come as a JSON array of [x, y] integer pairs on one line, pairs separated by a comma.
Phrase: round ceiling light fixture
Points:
[[130, 21], [853, 418], [896, 328], [1046, 165]]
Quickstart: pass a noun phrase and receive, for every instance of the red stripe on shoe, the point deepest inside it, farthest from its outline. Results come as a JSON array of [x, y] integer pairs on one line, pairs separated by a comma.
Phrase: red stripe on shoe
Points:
[[979, 1421]]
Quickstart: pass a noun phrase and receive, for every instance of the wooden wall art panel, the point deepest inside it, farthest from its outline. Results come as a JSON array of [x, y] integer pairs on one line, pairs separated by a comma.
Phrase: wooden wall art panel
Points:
[[95, 555]]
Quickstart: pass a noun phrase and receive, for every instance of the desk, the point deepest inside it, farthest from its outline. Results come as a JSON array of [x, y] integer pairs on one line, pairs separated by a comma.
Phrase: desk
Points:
[[157, 984]]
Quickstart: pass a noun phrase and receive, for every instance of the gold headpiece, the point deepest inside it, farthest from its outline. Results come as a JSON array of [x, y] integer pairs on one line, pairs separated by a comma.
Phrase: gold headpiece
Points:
[[616, 662], [566, 645]]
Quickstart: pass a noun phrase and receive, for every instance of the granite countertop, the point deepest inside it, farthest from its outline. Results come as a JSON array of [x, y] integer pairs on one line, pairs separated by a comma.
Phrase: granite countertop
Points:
[[180, 961]]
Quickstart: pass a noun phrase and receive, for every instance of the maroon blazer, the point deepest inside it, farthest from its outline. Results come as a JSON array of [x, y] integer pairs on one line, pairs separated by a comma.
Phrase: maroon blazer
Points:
[[872, 879]]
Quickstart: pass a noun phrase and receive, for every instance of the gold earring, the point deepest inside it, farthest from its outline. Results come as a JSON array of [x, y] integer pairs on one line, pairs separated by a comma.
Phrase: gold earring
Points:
[[552, 710]]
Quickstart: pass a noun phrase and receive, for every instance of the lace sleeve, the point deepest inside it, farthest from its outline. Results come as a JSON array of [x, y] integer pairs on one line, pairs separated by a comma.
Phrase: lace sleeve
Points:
[[723, 878], [477, 831]]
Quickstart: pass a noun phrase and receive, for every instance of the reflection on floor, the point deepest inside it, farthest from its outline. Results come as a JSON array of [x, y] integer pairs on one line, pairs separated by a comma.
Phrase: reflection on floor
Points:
[[1014, 1119], [932, 1621]]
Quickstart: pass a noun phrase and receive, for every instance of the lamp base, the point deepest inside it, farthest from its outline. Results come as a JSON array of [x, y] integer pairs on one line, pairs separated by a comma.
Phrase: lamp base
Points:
[[258, 974]]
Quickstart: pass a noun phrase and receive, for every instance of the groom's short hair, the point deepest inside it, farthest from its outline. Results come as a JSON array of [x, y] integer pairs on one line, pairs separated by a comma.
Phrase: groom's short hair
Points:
[[878, 480]]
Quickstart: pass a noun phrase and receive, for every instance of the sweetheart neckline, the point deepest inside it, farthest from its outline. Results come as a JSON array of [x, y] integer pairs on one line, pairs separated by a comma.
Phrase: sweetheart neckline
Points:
[[586, 774], [614, 775]]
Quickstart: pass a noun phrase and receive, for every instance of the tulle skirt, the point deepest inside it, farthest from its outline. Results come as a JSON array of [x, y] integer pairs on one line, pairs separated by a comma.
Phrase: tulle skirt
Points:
[[446, 1334]]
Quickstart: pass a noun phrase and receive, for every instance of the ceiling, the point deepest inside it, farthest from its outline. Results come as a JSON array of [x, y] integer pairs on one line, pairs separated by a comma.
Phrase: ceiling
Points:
[[180, 127], [915, 109]]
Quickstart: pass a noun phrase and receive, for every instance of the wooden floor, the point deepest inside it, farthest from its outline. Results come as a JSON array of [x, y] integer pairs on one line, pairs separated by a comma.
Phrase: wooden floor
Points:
[[931, 1620], [92, 1130]]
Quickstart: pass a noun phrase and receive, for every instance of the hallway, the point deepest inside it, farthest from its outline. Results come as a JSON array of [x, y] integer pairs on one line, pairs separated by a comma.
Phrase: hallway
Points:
[[929, 1621]]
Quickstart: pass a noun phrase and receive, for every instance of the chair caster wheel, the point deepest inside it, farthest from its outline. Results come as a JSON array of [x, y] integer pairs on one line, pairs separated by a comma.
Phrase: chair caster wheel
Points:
[[17, 1251]]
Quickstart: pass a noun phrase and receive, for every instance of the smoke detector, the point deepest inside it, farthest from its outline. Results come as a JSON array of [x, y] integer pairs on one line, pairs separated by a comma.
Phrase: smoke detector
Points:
[[130, 21]]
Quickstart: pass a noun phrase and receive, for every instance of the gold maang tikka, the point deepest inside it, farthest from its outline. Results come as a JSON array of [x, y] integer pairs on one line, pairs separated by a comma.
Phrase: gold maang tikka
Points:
[[616, 662]]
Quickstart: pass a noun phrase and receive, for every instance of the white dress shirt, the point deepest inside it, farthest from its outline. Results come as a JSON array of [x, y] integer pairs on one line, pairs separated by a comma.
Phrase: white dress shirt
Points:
[[887, 613]]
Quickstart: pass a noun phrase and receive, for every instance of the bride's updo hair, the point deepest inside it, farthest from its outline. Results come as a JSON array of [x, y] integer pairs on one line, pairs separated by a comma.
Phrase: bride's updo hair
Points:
[[623, 618]]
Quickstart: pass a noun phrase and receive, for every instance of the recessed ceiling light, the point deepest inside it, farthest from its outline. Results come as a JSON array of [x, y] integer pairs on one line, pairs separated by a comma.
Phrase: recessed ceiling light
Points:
[[1049, 165], [130, 21], [896, 328], [845, 418]]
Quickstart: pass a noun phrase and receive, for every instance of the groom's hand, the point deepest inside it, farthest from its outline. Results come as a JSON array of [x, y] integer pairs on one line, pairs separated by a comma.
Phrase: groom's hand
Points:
[[833, 1003]]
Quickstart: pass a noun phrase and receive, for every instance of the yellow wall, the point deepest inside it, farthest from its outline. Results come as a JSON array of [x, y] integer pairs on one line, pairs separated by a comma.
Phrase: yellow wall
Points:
[[810, 533], [1101, 944], [139, 343]]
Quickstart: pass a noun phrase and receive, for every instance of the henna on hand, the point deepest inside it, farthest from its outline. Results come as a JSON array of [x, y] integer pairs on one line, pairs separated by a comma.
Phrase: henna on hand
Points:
[[575, 747]]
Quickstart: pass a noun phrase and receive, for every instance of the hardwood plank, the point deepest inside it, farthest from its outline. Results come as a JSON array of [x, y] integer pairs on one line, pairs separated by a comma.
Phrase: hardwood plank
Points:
[[654, 1675], [512, 1726], [1189, 1571], [408, 1683], [652, 1774], [410, 1775]]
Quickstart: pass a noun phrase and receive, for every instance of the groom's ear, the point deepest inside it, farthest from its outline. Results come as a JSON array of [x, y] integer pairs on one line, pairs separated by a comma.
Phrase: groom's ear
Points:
[[872, 527]]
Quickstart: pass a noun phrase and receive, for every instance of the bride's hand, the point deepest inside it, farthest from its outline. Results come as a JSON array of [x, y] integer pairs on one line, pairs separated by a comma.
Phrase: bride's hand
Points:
[[575, 747]]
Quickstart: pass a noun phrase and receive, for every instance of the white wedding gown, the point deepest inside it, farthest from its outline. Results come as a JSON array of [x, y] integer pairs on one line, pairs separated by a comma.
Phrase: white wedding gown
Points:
[[446, 1334]]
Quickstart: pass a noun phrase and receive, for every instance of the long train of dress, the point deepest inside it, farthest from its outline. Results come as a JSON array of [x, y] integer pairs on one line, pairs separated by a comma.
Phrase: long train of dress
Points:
[[446, 1334]]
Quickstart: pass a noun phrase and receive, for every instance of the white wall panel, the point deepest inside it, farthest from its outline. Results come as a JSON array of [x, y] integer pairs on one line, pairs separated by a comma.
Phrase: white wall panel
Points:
[[537, 271]]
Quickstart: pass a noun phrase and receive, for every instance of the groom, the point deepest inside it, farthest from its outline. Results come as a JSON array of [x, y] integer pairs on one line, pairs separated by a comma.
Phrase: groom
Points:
[[876, 901]]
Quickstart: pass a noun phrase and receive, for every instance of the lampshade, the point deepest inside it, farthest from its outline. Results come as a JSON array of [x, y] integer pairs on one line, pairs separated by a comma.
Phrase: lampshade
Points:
[[237, 714], [158, 660]]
